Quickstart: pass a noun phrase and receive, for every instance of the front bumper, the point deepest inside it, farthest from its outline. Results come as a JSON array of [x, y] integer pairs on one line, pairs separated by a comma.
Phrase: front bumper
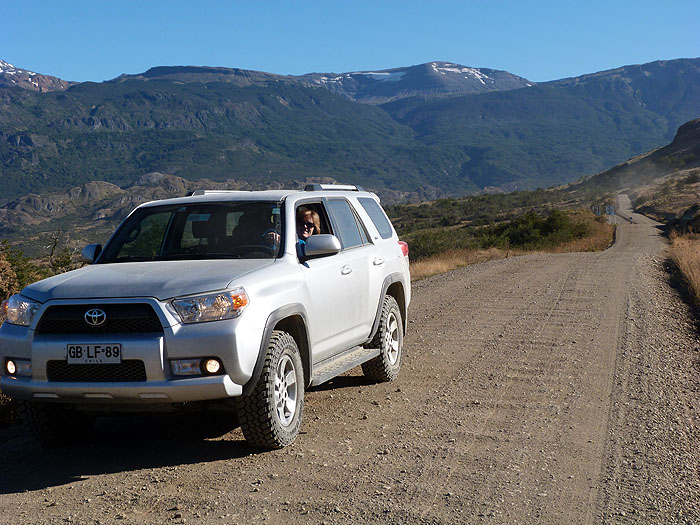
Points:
[[236, 344], [168, 391]]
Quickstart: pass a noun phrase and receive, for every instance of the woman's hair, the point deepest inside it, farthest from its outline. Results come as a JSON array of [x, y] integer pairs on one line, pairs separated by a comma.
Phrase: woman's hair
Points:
[[303, 213]]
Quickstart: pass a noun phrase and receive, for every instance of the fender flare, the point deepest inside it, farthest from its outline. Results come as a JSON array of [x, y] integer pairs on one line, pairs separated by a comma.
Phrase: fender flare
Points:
[[388, 281], [275, 317]]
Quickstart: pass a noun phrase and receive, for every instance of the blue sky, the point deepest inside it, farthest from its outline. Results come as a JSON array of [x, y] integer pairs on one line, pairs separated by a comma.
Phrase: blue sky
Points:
[[540, 40]]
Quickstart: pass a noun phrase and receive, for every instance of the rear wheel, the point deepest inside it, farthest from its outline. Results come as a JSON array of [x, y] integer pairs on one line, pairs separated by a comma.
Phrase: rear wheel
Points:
[[54, 424], [389, 340], [271, 415]]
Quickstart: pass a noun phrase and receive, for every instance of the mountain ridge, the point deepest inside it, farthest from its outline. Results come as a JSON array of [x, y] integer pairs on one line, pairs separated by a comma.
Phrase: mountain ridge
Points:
[[261, 127], [23, 78], [369, 87]]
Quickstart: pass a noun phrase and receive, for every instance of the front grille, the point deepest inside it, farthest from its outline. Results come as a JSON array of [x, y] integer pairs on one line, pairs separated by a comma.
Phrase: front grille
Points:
[[126, 371], [134, 318]]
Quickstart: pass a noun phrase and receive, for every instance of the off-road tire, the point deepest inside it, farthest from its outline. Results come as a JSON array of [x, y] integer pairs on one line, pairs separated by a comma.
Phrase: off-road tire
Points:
[[271, 415], [389, 340], [54, 425]]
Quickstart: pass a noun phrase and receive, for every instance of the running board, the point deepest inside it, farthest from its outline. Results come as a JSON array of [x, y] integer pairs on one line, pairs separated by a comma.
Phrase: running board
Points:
[[336, 365]]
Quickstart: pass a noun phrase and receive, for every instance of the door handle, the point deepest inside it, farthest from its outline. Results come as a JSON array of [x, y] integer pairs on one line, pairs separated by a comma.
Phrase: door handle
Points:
[[346, 270], [378, 261]]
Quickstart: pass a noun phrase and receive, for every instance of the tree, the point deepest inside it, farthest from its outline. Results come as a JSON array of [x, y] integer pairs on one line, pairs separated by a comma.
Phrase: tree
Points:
[[8, 277]]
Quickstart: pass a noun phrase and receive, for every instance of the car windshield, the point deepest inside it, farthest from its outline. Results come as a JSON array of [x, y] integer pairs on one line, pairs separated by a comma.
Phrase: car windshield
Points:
[[222, 230]]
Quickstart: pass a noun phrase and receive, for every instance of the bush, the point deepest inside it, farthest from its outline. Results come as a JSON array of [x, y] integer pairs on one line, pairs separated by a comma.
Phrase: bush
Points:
[[532, 231]]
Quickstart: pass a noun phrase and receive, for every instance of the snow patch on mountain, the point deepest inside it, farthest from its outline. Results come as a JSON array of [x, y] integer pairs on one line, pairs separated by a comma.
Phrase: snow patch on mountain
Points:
[[15, 76], [383, 76], [9, 69], [445, 68]]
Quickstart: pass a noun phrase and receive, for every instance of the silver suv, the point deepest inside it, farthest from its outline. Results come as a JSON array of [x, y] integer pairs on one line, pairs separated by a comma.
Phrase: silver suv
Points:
[[215, 301]]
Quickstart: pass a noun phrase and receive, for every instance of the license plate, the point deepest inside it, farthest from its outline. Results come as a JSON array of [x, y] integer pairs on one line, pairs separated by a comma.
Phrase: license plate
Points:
[[82, 354]]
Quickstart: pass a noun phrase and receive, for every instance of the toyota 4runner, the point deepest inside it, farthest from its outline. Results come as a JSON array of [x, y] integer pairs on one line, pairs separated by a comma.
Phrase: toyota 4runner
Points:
[[210, 302]]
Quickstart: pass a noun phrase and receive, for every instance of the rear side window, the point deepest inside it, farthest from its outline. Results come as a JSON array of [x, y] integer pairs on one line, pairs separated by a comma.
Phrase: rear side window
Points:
[[378, 216]]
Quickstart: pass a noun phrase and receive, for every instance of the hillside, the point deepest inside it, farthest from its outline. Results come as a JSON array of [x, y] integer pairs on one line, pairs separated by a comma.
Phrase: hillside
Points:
[[664, 183], [223, 124], [683, 153], [556, 132], [117, 132]]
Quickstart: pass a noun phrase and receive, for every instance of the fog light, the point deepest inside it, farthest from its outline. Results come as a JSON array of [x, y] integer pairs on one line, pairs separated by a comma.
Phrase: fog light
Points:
[[18, 367], [211, 366], [186, 367]]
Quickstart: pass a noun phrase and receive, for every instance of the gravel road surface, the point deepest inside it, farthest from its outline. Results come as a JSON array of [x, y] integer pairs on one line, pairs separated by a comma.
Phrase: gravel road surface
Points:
[[536, 389]]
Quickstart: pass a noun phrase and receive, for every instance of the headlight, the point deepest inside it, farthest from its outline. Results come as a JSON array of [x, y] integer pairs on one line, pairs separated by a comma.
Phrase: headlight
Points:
[[20, 310], [211, 307]]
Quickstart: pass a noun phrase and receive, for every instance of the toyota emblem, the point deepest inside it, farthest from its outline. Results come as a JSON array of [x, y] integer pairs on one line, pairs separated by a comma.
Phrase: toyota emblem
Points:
[[95, 317]]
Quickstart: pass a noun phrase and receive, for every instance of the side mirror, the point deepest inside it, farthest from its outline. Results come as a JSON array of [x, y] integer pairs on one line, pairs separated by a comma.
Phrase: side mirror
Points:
[[321, 245], [90, 253]]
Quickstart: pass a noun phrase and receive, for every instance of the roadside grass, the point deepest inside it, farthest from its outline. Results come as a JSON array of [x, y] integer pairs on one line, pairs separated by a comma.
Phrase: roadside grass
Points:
[[579, 231], [685, 254], [453, 259]]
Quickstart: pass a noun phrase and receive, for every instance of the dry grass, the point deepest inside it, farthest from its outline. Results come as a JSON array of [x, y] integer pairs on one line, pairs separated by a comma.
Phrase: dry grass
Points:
[[601, 236], [685, 253], [451, 260]]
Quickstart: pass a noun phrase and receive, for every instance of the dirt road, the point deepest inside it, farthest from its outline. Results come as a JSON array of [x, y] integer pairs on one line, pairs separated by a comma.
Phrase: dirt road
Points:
[[545, 388]]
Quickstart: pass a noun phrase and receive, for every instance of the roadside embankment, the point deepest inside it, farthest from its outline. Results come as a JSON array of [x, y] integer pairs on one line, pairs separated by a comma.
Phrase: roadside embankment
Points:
[[684, 252]]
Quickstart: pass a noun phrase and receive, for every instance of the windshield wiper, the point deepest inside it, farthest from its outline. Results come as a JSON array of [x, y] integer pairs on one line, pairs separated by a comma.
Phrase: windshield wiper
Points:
[[127, 258], [195, 256]]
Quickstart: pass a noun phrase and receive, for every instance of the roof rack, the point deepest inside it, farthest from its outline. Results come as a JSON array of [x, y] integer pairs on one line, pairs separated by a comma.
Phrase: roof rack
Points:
[[332, 187], [209, 192]]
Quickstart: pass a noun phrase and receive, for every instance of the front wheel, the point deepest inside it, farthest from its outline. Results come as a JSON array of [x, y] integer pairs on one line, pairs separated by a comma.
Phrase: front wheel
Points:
[[389, 340], [270, 416]]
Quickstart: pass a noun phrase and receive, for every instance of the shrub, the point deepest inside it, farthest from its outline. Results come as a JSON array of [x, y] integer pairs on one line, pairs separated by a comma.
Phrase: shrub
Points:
[[532, 231]]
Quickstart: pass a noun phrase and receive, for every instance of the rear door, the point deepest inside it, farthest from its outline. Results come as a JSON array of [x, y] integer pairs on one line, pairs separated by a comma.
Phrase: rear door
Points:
[[364, 262]]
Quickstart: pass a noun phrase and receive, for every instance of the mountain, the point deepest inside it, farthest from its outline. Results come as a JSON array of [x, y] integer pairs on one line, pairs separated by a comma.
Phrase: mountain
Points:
[[221, 124], [371, 87], [117, 131], [184, 74], [558, 131], [434, 78], [12, 76]]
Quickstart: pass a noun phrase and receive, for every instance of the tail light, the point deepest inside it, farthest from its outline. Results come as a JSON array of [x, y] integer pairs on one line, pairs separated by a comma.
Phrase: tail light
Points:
[[404, 248]]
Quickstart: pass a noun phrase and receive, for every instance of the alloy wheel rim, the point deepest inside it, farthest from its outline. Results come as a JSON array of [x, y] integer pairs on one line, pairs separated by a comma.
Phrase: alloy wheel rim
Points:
[[391, 339], [286, 391]]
